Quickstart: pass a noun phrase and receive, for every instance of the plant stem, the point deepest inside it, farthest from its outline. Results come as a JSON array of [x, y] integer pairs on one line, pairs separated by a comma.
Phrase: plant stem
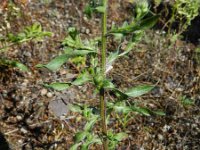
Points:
[[103, 72]]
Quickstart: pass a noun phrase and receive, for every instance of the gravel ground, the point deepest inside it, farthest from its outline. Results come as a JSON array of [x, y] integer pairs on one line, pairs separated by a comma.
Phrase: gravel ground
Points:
[[32, 116]]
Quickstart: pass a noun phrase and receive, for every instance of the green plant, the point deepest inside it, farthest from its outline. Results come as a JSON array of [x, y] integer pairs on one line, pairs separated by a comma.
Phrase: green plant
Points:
[[30, 33], [183, 12], [95, 73], [186, 101]]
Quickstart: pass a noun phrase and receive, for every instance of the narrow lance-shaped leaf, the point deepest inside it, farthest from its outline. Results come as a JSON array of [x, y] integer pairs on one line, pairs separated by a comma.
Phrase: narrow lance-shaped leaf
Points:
[[101, 9], [141, 110], [75, 146], [58, 86], [82, 52], [89, 125], [120, 95], [139, 90], [13, 63], [56, 63], [89, 142], [142, 25], [120, 136], [80, 136], [159, 112], [149, 22], [110, 60], [20, 66]]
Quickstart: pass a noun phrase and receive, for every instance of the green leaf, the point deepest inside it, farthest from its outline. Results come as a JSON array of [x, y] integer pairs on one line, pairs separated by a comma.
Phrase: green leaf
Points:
[[74, 53], [14, 38], [80, 136], [159, 112], [101, 9], [19, 65], [75, 108], [120, 95], [82, 79], [91, 141], [137, 36], [56, 63], [33, 32], [186, 101], [141, 9], [120, 136], [75, 146], [85, 146], [197, 50], [98, 80], [89, 125], [74, 43], [149, 22], [108, 84], [58, 86], [122, 108], [139, 90], [73, 32], [13, 63], [118, 36], [112, 57], [135, 26], [87, 112], [88, 11], [140, 110]]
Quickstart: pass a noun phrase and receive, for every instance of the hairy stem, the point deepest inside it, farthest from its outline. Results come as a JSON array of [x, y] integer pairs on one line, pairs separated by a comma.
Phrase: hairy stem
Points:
[[103, 71]]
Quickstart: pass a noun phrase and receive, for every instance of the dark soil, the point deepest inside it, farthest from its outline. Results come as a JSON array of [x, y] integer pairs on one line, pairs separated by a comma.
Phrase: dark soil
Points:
[[31, 117]]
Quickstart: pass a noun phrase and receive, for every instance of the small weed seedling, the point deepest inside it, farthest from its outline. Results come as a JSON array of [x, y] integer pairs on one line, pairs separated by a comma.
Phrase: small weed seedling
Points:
[[30, 33], [95, 73]]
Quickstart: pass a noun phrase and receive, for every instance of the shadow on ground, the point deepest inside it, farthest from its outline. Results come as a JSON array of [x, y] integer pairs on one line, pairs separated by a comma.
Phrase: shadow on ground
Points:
[[3, 143]]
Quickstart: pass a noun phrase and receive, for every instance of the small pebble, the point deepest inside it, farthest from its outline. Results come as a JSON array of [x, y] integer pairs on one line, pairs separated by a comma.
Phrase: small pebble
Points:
[[63, 72], [29, 73], [83, 30], [23, 130], [49, 95], [23, 87], [160, 137], [25, 83], [67, 15], [29, 121], [20, 141], [179, 89], [85, 18], [166, 128], [28, 54], [43, 92], [87, 31], [19, 118]]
